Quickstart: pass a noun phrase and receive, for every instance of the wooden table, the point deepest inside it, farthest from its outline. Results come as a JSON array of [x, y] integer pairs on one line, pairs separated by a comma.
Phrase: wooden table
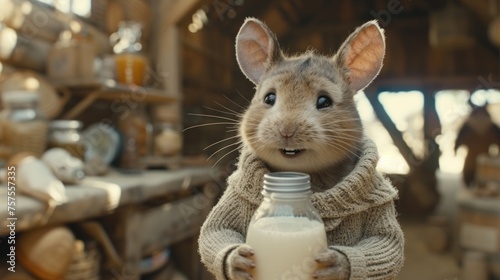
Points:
[[141, 213]]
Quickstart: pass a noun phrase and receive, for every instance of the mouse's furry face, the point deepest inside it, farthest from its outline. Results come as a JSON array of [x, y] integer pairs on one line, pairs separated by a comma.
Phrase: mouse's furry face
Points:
[[299, 119], [303, 117]]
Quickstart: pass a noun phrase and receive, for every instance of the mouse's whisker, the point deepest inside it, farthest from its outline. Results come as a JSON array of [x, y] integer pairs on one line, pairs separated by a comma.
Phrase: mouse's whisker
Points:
[[223, 148], [342, 145], [341, 124], [350, 139], [342, 130], [232, 101], [235, 149], [345, 150], [208, 124], [337, 126], [348, 123], [227, 108], [346, 137], [344, 121], [329, 137], [220, 141], [213, 116], [232, 113], [242, 95], [346, 132], [252, 136]]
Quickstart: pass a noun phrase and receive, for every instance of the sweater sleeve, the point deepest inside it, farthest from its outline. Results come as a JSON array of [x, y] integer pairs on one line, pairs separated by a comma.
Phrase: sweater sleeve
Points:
[[222, 232], [379, 255]]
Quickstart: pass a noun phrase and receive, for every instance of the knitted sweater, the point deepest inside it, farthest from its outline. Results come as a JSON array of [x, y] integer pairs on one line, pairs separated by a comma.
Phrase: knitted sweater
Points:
[[358, 213]]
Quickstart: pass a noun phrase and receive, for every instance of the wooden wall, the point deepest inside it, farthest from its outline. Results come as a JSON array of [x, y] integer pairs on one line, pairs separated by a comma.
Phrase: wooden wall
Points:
[[211, 84], [211, 75]]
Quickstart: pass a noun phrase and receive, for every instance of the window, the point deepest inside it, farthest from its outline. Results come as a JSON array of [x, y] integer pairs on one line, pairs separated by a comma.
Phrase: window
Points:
[[391, 161], [77, 7], [406, 111], [452, 108]]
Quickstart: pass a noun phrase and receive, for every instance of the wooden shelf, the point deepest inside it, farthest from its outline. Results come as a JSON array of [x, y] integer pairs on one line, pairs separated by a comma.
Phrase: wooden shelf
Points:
[[93, 90], [142, 213], [98, 196]]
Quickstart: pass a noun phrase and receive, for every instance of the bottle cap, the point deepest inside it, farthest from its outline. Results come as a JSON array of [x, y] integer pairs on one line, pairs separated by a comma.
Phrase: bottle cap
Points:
[[287, 182]]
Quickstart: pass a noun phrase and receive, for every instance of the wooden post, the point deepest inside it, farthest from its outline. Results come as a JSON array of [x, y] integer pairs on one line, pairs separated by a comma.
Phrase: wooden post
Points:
[[167, 54], [396, 135], [124, 227], [432, 128], [419, 194]]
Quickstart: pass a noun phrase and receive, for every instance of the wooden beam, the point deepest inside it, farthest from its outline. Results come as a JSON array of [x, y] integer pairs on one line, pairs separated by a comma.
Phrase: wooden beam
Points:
[[432, 128], [428, 83], [167, 53], [173, 10], [230, 26], [216, 57], [285, 13], [396, 135], [432, 124], [344, 28], [482, 9]]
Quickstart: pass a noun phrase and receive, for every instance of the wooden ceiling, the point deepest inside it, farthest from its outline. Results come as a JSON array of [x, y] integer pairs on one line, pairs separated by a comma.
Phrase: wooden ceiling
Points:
[[410, 60], [310, 13]]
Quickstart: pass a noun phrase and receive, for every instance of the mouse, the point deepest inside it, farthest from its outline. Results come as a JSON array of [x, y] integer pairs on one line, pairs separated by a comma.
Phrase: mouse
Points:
[[303, 118]]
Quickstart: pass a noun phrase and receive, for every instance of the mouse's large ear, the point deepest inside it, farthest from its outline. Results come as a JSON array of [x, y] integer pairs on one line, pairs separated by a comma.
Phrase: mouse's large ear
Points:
[[361, 56], [256, 49]]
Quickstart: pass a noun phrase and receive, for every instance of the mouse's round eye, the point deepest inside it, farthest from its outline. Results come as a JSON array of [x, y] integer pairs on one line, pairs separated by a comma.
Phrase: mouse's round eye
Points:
[[270, 98], [323, 102]]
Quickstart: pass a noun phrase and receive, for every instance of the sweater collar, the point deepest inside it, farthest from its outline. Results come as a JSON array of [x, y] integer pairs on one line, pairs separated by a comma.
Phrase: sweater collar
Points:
[[364, 187]]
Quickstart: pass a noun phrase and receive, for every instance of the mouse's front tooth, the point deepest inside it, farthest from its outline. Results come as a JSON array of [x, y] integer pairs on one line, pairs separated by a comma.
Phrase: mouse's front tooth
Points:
[[291, 152]]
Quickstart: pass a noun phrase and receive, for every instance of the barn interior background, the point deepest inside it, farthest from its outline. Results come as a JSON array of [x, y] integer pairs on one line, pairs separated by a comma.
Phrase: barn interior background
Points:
[[125, 86]]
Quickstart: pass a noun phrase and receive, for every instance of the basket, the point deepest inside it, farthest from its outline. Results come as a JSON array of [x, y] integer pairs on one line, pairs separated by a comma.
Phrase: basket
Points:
[[488, 169], [86, 263], [49, 101], [24, 137]]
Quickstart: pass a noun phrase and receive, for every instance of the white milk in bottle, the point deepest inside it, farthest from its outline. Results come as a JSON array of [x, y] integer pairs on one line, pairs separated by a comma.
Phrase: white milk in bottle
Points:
[[286, 232]]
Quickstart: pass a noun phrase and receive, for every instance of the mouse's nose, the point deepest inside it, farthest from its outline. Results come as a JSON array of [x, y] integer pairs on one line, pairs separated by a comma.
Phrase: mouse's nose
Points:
[[287, 132]]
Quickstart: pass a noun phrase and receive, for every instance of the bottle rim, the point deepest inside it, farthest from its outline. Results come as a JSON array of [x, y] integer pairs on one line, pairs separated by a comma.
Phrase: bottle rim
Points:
[[287, 182]]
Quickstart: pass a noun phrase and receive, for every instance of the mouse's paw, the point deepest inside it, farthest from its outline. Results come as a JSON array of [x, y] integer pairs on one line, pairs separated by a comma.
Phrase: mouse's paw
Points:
[[332, 265], [240, 262]]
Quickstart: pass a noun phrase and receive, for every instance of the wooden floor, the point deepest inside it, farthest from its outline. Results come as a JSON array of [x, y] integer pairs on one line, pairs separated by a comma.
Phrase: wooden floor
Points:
[[420, 262]]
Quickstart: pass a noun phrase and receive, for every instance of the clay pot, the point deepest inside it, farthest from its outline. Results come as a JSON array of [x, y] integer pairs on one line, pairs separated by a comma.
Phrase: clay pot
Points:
[[46, 252]]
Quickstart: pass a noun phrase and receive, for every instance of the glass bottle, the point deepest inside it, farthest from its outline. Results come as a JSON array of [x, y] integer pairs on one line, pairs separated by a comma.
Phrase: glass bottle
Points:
[[22, 127], [167, 140], [130, 62], [286, 231], [66, 134], [72, 57], [135, 128]]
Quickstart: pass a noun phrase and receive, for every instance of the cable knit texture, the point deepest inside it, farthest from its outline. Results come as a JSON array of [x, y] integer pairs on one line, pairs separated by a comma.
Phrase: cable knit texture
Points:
[[358, 213]]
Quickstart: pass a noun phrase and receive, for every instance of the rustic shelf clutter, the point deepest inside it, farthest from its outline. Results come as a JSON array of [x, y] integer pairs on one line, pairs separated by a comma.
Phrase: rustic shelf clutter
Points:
[[76, 96], [479, 221], [85, 65]]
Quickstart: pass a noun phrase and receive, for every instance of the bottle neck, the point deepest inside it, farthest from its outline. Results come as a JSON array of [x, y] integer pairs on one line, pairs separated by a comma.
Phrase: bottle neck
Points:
[[287, 184], [287, 196]]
